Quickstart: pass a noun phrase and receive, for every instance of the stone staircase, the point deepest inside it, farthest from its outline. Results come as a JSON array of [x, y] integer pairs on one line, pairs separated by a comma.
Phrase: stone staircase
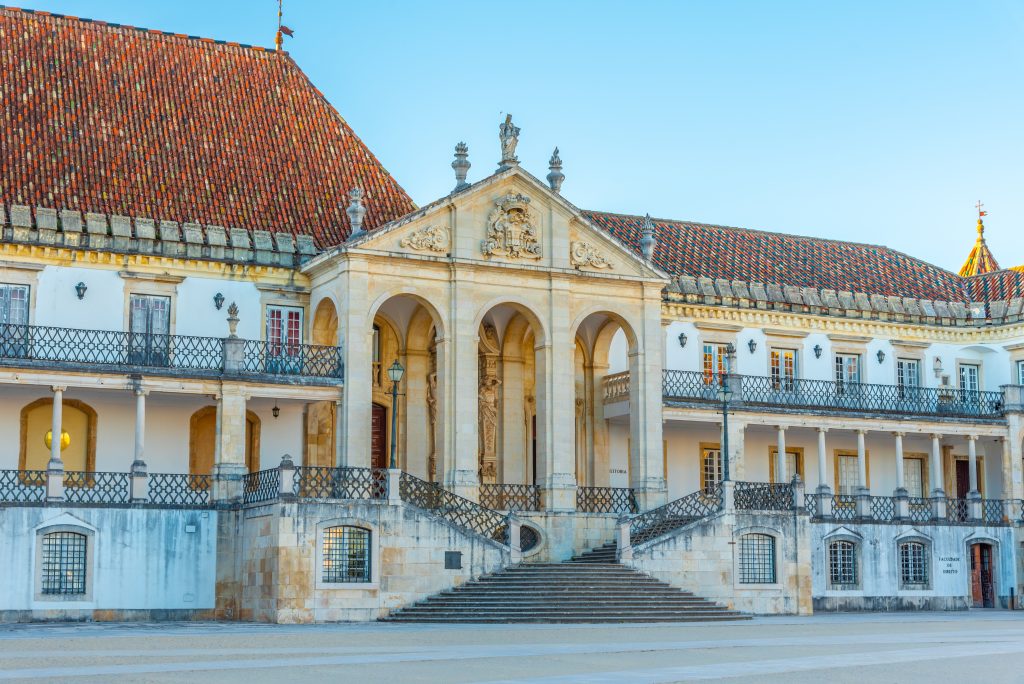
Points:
[[591, 587]]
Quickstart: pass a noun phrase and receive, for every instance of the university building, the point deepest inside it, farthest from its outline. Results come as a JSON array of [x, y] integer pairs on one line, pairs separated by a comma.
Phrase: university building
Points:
[[245, 377]]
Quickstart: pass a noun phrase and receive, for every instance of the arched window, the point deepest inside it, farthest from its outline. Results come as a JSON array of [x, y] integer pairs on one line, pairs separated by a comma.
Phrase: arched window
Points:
[[202, 441], [757, 559], [914, 565], [64, 563], [346, 554], [78, 446], [842, 564]]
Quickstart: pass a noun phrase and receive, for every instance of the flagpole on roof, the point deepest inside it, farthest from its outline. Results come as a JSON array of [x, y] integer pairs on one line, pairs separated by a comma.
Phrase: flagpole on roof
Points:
[[278, 39]]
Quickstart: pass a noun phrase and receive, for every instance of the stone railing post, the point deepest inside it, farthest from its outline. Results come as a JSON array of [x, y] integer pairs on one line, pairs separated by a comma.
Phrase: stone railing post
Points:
[[139, 480], [1013, 397], [824, 495], [728, 496], [287, 479], [798, 494], [234, 346], [974, 506], [625, 548], [938, 502], [394, 486], [55, 482], [863, 504], [902, 503], [514, 539]]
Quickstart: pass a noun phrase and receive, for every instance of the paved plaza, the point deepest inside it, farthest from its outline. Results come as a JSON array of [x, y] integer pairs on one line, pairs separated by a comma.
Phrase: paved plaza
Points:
[[935, 647]]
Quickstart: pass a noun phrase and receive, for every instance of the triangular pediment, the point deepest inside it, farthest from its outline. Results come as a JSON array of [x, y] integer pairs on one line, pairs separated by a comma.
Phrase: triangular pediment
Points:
[[513, 220]]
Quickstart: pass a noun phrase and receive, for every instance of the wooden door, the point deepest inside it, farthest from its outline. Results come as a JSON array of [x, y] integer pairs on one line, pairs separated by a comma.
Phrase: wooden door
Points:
[[379, 437], [982, 589], [963, 479]]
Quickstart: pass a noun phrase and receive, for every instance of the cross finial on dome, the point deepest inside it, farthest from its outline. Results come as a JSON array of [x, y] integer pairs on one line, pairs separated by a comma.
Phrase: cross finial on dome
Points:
[[980, 260]]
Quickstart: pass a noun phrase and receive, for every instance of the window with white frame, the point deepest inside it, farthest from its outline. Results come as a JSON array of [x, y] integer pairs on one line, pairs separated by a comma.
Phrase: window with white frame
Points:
[[711, 468], [913, 476], [794, 463], [346, 554], [715, 361], [847, 368], [842, 564], [1020, 372], [757, 558], [914, 565], [783, 369], [284, 330], [13, 304], [149, 324], [908, 375], [64, 558], [847, 474], [970, 377]]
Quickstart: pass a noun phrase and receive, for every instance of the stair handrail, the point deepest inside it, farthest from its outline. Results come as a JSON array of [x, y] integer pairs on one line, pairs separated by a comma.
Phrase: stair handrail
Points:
[[675, 514], [459, 511]]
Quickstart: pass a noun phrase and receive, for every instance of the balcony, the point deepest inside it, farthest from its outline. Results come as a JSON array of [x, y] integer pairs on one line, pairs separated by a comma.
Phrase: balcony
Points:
[[752, 391], [33, 346]]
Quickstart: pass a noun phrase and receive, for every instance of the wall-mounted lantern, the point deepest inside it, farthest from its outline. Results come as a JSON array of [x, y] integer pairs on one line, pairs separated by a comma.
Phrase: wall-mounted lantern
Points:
[[682, 339], [218, 300], [80, 289], [752, 346], [275, 411], [817, 351], [881, 356]]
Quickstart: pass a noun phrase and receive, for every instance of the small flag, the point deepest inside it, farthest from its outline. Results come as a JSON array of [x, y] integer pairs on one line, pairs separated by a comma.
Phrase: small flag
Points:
[[287, 31]]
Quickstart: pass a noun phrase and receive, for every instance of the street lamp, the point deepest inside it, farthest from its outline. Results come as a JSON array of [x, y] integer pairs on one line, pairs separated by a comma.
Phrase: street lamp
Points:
[[395, 373], [724, 394]]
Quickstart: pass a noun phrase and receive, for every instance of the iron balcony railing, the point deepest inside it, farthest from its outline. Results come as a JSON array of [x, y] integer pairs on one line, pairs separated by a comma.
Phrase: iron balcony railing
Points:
[[47, 346], [463, 513], [606, 500], [885, 509], [675, 514], [756, 390], [764, 496], [510, 497]]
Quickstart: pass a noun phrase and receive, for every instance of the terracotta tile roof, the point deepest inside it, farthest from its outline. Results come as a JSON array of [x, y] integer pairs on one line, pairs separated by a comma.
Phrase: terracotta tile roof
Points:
[[697, 249], [120, 120], [997, 285]]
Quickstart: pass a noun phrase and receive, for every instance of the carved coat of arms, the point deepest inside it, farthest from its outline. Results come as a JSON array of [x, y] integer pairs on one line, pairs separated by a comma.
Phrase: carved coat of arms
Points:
[[511, 231]]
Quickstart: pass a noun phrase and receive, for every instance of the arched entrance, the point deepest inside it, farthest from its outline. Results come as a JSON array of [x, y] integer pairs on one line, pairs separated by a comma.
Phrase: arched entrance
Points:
[[202, 441], [982, 575], [78, 420]]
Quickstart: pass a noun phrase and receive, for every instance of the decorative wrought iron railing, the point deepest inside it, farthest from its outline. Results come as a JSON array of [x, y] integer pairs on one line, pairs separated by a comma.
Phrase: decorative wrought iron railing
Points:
[[46, 346], [306, 360], [844, 507], [616, 386], [22, 486], [673, 515], [458, 511], [994, 511], [919, 509], [510, 497], [528, 538], [341, 483], [96, 488], [262, 486], [180, 489], [825, 394], [811, 504], [764, 496], [883, 508], [957, 510], [606, 500]]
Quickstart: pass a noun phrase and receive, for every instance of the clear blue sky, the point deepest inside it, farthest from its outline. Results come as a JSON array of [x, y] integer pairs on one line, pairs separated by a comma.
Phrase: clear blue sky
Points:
[[878, 122]]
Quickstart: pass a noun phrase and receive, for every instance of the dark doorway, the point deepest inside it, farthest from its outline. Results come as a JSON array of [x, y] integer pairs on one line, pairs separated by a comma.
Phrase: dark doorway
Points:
[[379, 437], [963, 479], [982, 590]]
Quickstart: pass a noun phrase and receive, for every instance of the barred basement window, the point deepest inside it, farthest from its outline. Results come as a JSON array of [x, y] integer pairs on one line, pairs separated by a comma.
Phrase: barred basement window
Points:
[[913, 565], [64, 557], [346, 554], [842, 565], [757, 559]]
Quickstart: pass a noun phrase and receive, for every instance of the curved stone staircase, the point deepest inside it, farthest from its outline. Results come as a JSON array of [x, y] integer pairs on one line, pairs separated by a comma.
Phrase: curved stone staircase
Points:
[[591, 587]]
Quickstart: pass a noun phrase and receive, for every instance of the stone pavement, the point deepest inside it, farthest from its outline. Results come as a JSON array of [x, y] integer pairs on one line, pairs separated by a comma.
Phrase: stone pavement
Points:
[[897, 647]]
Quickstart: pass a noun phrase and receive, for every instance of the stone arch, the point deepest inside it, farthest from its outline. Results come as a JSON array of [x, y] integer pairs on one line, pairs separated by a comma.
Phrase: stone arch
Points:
[[202, 441], [325, 323], [523, 307], [78, 419]]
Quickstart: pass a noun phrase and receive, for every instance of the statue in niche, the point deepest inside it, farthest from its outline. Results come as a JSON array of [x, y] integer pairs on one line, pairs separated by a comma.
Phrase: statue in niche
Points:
[[488, 428], [432, 415]]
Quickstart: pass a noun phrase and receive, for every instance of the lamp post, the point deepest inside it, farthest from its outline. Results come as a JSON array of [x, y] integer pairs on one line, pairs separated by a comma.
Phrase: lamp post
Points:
[[724, 394], [395, 373]]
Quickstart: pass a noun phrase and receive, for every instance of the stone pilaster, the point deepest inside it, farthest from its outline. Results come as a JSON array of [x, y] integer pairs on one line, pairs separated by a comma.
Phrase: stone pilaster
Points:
[[229, 467]]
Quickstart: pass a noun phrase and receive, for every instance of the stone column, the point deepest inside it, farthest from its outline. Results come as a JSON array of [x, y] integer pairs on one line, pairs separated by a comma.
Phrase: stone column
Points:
[[863, 492], [55, 467], [1013, 458], [900, 495], [415, 413], [229, 467], [515, 448], [972, 465], [139, 477], [938, 489], [824, 492], [737, 434], [780, 456], [355, 337]]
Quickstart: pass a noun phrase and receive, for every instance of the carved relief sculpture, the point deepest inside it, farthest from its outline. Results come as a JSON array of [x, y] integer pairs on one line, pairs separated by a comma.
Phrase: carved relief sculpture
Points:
[[432, 415], [511, 231], [583, 254], [427, 238], [488, 404]]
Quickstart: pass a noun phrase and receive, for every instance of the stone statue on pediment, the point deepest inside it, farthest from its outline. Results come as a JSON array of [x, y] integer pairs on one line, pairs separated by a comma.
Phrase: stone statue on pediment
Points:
[[508, 133]]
